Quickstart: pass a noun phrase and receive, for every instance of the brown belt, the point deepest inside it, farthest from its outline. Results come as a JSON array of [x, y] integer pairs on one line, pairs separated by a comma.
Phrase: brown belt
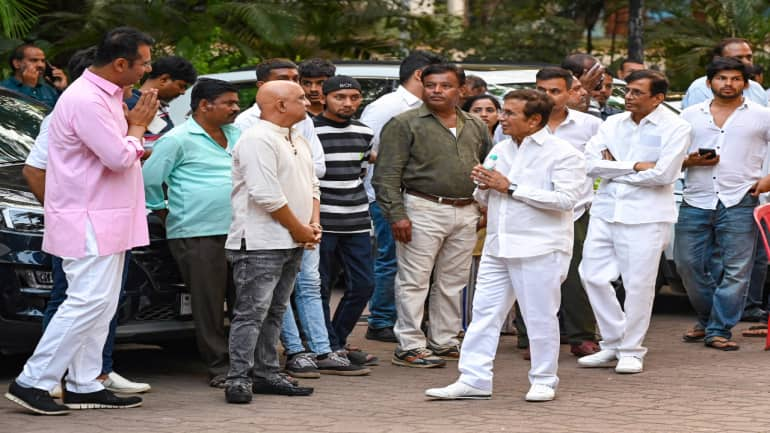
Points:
[[458, 202]]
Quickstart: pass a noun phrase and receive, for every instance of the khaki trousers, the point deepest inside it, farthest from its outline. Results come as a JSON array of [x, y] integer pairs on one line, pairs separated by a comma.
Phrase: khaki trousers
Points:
[[443, 237]]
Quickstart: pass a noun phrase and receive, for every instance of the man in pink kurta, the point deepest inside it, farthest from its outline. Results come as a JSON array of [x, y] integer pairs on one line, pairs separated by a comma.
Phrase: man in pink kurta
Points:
[[94, 173], [94, 213]]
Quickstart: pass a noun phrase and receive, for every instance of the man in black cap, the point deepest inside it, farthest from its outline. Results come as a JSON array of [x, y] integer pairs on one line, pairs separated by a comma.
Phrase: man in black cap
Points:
[[344, 205]]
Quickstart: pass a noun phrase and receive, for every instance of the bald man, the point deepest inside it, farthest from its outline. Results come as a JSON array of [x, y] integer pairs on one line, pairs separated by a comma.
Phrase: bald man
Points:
[[275, 203]]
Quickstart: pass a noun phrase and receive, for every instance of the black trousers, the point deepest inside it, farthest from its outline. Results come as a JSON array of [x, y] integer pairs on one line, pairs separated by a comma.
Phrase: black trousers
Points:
[[206, 273]]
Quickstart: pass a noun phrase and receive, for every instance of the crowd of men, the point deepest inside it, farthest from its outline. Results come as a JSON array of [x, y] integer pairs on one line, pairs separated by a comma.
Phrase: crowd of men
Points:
[[265, 209]]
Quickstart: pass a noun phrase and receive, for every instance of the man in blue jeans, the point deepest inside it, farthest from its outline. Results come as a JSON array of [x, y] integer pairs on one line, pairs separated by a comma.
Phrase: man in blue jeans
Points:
[[344, 206], [382, 307], [730, 135]]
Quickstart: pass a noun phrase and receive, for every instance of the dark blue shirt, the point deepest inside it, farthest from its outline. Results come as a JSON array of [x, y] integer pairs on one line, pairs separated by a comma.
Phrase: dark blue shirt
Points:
[[150, 137], [43, 92]]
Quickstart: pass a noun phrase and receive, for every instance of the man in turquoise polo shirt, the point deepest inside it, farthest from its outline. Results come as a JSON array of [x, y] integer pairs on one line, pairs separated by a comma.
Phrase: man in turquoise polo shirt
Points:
[[194, 161]]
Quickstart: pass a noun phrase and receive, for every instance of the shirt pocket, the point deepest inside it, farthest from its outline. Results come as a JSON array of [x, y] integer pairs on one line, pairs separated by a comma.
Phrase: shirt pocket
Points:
[[535, 176], [649, 147]]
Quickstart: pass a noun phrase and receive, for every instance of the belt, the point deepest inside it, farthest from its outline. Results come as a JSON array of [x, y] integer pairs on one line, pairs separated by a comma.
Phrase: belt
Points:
[[458, 202]]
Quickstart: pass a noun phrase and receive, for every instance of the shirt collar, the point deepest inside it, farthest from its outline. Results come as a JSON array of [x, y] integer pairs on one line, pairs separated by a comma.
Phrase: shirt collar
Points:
[[539, 137], [570, 117], [108, 86], [196, 129], [705, 106], [410, 99], [655, 117], [273, 127], [424, 111]]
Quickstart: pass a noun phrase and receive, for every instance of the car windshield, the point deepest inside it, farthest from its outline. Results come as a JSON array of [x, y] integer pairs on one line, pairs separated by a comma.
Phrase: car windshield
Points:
[[19, 124]]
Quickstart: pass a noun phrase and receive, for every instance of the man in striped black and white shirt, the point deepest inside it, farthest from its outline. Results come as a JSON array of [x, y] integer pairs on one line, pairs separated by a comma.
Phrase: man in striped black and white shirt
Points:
[[345, 216]]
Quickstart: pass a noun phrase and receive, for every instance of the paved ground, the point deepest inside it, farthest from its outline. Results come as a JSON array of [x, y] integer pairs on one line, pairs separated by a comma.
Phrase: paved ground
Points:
[[685, 388]]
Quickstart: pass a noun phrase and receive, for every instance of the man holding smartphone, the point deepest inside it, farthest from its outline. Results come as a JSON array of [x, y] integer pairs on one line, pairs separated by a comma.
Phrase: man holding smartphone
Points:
[[729, 143], [34, 76]]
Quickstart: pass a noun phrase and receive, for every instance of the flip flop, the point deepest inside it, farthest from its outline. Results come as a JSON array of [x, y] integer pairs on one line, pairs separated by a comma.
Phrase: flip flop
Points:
[[722, 343], [694, 335], [755, 331]]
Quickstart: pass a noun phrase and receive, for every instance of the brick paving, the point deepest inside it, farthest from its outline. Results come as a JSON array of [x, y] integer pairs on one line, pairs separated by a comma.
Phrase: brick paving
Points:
[[685, 388]]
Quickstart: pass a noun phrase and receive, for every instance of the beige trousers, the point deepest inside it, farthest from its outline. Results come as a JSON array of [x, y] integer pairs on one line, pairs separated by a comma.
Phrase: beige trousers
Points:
[[443, 238]]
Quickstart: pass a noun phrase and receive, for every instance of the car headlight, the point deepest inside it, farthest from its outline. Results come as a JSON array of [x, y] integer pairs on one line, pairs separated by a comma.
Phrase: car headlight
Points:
[[22, 219]]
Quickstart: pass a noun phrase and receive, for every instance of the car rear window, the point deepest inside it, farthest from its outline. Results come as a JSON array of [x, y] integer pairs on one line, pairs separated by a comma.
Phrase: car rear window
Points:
[[19, 124]]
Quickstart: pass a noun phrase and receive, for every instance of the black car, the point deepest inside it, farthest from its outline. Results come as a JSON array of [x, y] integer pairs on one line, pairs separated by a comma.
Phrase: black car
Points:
[[157, 304]]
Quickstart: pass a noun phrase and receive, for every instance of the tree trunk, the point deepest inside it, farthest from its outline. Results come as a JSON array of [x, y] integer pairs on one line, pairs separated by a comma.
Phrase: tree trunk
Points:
[[635, 40]]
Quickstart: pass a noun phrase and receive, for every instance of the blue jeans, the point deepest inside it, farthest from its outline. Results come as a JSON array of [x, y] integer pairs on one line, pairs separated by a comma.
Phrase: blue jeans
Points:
[[307, 298], [718, 304], [382, 306], [59, 294], [353, 252]]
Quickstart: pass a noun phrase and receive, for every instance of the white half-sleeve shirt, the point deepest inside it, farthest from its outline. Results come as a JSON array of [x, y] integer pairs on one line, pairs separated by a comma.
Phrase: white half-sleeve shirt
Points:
[[38, 155]]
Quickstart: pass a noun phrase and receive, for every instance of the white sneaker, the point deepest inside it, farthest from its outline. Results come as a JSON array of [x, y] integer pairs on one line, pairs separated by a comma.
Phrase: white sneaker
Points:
[[56, 392], [458, 391], [602, 358], [629, 365], [540, 392], [121, 385]]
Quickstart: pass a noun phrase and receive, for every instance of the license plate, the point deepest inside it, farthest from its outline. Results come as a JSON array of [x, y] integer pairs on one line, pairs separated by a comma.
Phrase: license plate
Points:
[[185, 304]]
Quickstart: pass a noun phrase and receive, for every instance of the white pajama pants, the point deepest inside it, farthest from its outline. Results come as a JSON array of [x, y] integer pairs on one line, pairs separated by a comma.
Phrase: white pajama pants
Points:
[[536, 283], [75, 337], [630, 251]]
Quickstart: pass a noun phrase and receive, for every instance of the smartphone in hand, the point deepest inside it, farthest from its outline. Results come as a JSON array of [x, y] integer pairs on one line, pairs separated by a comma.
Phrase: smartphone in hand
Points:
[[48, 73], [708, 153]]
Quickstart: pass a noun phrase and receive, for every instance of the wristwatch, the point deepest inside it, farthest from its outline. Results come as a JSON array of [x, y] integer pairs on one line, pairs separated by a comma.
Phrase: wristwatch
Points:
[[512, 188]]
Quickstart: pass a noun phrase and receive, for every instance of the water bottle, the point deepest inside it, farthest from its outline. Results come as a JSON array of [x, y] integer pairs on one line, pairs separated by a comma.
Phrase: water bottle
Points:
[[489, 165]]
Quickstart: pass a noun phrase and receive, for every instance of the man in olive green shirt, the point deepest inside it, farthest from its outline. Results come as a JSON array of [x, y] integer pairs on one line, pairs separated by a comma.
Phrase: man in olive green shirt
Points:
[[194, 161], [423, 186]]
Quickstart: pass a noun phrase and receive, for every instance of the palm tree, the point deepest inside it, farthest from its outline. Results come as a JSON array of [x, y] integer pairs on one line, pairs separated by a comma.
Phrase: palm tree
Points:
[[18, 16]]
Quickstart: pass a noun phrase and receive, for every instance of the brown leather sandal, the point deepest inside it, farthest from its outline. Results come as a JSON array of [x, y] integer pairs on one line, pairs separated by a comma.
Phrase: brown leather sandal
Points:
[[755, 331], [722, 343], [694, 335]]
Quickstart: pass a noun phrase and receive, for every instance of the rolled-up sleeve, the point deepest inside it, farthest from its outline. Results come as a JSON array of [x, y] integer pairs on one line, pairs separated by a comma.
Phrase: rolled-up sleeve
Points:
[[395, 143], [259, 165], [102, 140]]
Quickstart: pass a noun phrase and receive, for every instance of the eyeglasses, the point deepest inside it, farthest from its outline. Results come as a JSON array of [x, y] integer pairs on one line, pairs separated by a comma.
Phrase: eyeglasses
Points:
[[506, 113], [634, 92]]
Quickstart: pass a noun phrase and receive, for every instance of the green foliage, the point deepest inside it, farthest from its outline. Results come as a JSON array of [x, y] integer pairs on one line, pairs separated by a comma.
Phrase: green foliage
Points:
[[212, 55], [224, 35], [18, 16], [686, 37], [519, 31]]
